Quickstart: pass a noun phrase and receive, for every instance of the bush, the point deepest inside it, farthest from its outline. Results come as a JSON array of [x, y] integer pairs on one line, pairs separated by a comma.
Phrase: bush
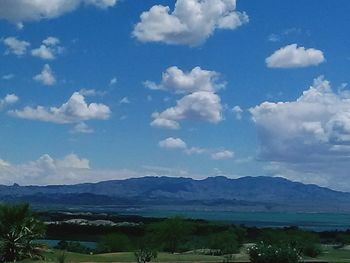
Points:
[[264, 253], [19, 228], [73, 246], [311, 250], [145, 255], [114, 243]]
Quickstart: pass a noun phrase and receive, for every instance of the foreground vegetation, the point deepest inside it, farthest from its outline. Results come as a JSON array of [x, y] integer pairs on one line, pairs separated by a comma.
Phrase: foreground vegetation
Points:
[[329, 254], [162, 240]]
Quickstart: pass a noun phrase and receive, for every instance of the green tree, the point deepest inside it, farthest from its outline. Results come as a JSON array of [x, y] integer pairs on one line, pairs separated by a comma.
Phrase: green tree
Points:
[[114, 243], [225, 242], [171, 233], [19, 228]]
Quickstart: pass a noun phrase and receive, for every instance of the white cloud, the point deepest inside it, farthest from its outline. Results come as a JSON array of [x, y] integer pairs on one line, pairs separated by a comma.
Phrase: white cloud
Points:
[[92, 92], [75, 110], [179, 144], [308, 138], [51, 41], [15, 46], [18, 11], [19, 25], [159, 122], [196, 151], [113, 81], [73, 161], [124, 100], [214, 154], [172, 143], [9, 99], [274, 38], [202, 105], [43, 52], [285, 33], [222, 155], [8, 76], [200, 101], [48, 49], [237, 111], [292, 56], [190, 23], [46, 170], [46, 77], [82, 127], [178, 81]]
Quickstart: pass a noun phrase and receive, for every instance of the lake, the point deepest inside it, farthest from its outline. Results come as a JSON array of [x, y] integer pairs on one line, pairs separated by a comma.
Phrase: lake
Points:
[[312, 221]]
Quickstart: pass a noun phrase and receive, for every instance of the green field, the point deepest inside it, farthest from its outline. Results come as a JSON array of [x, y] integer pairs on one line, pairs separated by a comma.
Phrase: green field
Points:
[[331, 255], [51, 256]]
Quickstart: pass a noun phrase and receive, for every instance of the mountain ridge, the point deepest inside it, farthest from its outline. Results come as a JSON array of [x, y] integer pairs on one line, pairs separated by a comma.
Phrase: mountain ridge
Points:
[[275, 193]]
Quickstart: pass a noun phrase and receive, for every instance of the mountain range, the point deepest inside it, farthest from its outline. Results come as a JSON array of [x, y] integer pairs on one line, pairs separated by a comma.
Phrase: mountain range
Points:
[[213, 193]]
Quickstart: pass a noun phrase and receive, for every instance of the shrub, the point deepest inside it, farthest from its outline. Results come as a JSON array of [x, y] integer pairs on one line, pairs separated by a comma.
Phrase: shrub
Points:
[[145, 255], [73, 246], [18, 230], [114, 243], [311, 250], [264, 253]]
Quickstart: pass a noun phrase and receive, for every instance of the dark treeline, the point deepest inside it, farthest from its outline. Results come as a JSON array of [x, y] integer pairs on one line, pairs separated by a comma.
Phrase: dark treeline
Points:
[[20, 227], [180, 235]]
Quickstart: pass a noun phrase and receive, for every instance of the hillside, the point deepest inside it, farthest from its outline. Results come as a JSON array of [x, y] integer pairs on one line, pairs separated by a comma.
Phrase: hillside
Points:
[[246, 193]]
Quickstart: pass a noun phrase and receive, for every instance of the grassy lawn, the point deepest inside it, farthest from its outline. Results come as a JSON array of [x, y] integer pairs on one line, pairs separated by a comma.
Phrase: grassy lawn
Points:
[[51, 256], [331, 255], [336, 255]]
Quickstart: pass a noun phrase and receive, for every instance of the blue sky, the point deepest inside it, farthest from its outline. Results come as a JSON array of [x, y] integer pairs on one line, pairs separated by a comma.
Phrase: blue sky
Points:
[[211, 65]]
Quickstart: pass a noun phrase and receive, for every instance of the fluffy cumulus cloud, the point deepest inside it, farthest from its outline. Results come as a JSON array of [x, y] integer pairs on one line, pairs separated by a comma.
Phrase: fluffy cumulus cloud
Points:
[[292, 56], [48, 50], [18, 11], [15, 46], [46, 76], [47, 170], [190, 23], [307, 139], [75, 110], [200, 101], [9, 99], [178, 81], [222, 155], [201, 105], [237, 111], [172, 143]]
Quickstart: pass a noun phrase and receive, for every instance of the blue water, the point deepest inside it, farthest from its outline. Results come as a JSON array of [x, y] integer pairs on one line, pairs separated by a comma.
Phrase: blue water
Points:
[[312, 221], [53, 243]]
